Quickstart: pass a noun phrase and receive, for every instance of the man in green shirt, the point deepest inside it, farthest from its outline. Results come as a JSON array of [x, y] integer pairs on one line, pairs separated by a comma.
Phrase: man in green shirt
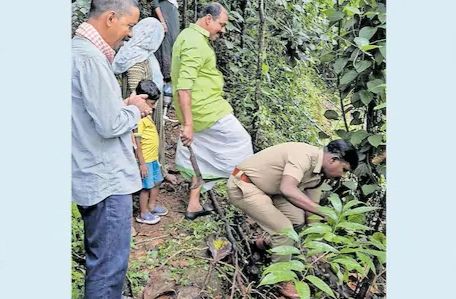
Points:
[[218, 139]]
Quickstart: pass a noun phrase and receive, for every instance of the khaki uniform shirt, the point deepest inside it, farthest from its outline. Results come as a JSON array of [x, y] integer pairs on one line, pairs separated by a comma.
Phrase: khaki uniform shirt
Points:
[[299, 160]]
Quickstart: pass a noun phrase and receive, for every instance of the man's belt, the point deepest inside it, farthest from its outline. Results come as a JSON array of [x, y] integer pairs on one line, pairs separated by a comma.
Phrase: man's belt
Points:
[[243, 177]]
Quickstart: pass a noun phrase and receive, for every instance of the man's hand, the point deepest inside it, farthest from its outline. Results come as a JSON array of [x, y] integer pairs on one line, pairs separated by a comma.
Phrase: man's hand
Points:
[[143, 170], [165, 27], [187, 134], [139, 101]]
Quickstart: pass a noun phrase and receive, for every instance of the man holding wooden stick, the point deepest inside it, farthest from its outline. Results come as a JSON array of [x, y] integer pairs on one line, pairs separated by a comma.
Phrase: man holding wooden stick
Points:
[[218, 139]]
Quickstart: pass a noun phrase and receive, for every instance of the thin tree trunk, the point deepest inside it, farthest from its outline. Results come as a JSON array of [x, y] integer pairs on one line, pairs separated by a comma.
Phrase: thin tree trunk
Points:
[[196, 11], [184, 13], [255, 122], [243, 7], [342, 108]]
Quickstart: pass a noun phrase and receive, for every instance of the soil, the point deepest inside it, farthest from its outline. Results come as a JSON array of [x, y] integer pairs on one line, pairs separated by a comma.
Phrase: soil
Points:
[[149, 237]]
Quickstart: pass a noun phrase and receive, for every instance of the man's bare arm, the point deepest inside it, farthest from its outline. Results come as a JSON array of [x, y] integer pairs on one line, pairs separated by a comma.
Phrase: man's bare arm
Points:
[[289, 188]]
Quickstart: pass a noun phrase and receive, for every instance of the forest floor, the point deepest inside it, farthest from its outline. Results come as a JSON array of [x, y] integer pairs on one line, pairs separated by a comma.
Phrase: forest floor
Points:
[[171, 258]]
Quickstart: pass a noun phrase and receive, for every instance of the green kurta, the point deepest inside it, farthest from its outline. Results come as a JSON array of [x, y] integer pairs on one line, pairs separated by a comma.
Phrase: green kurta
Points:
[[194, 67]]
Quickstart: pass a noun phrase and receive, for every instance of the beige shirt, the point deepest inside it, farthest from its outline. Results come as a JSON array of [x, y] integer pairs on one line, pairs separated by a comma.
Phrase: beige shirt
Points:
[[299, 160]]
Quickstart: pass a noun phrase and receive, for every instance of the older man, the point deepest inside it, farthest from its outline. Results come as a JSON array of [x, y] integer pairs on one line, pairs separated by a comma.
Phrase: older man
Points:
[[279, 185], [104, 169], [208, 124]]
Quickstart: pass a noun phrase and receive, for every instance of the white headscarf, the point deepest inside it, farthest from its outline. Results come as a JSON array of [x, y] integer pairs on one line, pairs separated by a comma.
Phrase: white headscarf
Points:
[[147, 37], [173, 2]]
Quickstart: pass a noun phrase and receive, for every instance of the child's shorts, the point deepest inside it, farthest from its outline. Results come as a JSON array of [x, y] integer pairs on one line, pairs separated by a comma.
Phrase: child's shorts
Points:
[[154, 175]]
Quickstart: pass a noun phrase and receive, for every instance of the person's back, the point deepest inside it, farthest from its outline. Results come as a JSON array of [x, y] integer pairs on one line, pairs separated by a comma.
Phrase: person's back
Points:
[[266, 167]]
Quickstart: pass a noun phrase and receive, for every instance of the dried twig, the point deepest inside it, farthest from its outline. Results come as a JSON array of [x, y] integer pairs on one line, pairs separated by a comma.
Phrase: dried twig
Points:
[[177, 253]]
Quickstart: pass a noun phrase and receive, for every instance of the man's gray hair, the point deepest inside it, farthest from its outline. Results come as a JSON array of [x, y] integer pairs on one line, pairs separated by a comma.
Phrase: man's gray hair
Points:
[[214, 9], [122, 7]]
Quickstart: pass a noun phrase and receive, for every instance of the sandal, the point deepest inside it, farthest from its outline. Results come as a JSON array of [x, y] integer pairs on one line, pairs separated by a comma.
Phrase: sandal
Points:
[[159, 210], [148, 218]]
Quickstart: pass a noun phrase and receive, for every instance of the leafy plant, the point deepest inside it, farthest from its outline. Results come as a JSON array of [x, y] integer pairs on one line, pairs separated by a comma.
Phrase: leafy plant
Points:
[[77, 250], [338, 246]]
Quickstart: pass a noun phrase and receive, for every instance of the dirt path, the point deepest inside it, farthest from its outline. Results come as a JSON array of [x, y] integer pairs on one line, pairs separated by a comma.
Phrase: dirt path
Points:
[[155, 257]]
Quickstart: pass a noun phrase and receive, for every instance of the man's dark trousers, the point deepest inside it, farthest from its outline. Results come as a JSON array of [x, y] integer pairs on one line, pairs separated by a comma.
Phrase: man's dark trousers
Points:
[[107, 234]]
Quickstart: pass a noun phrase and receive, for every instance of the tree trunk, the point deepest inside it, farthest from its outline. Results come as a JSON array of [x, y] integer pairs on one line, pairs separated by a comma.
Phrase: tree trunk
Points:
[[255, 121]]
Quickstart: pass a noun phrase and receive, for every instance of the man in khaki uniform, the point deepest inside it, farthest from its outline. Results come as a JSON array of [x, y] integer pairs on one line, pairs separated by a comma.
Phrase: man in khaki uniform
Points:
[[279, 185]]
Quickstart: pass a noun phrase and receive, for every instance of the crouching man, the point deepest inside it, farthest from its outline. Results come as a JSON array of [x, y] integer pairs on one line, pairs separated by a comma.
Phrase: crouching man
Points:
[[279, 185]]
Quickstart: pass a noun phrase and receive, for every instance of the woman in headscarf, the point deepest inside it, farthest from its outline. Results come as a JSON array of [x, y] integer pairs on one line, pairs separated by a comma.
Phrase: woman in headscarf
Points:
[[136, 58], [168, 14]]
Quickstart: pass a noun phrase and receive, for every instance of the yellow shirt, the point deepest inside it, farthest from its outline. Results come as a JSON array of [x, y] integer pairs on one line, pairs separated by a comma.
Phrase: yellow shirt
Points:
[[149, 139]]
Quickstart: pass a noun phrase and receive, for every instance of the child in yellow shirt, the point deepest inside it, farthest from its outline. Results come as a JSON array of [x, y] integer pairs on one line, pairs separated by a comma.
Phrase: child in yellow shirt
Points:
[[147, 141]]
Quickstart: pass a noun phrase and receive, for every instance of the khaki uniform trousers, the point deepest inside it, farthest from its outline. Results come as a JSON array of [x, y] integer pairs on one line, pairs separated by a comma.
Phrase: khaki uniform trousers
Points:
[[274, 215]]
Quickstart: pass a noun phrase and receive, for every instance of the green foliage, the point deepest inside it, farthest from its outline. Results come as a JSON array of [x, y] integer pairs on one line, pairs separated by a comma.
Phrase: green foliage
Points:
[[80, 11], [340, 245], [77, 250], [287, 103], [137, 277]]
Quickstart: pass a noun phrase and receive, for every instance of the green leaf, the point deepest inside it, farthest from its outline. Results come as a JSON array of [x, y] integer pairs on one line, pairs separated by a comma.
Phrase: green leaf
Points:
[[348, 262], [348, 77], [341, 133], [350, 184], [264, 68], [321, 247], [323, 135], [362, 65], [333, 238], [298, 7], [336, 269], [331, 114], [285, 250], [366, 96], [352, 226], [285, 266], [380, 106], [327, 57], [325, 187], [320, 284], [366, 48], [357, 218], [350, 10], [367, 261], [368, 189], [376, 86], [334, 15], [228, 44], [367, 32], [237, 15], [379, 236], [375, 140], [381, 255], [382, 50], [359, 210], [290, 233], [358, 137], [328, 212], [339, 65], [361, 42], [377, 244], [279, 276], [317, 228], [303, 289], [336, 202]]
